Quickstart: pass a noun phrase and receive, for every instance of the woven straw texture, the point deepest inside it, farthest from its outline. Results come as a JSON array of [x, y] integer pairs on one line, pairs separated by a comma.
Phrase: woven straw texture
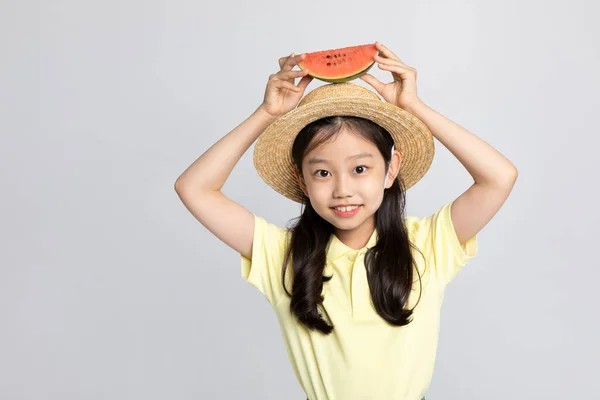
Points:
[[272, 152]]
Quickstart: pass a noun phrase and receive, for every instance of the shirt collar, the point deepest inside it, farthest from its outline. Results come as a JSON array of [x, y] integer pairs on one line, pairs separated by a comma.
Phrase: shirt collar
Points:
[[336, 248]]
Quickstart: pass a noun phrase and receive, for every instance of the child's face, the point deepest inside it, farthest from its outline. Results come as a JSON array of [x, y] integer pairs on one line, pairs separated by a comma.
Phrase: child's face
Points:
[[343, 180]]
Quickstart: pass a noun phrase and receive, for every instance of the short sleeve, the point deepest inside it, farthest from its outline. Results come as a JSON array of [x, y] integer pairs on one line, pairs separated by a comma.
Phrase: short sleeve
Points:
[[436, 238], [264, 270]]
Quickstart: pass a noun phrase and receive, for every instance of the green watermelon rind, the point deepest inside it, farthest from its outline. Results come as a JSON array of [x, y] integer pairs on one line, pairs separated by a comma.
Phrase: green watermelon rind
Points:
[[342, 79]]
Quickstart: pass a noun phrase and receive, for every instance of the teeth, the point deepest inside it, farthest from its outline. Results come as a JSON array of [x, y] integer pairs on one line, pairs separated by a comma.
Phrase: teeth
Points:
[[346, 209]]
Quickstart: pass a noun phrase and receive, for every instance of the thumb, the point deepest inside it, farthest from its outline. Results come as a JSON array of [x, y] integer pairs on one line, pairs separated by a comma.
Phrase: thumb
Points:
[[371, 80], [306, 79]]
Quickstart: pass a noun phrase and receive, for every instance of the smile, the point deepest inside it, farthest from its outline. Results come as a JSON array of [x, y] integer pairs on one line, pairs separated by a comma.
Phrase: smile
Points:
[[346, 211]]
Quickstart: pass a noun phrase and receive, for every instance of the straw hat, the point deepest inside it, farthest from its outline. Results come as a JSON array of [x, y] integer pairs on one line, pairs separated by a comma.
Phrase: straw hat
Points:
[[272, 152]]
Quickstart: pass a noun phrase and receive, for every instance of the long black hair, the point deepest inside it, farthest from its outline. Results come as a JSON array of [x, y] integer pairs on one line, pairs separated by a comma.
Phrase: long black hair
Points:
[[389, 263]]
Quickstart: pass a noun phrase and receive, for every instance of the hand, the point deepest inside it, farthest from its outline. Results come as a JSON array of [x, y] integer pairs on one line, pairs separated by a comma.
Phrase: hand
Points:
[[281, 95], [403, 90]]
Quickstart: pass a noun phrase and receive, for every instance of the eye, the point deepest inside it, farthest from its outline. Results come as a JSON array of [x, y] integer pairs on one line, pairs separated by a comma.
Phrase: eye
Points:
[[319, 170], [363, 167]]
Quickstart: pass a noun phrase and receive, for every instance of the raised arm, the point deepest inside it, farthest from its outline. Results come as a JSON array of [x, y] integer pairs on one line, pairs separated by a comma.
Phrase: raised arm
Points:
[[199, 186], [494, 174]]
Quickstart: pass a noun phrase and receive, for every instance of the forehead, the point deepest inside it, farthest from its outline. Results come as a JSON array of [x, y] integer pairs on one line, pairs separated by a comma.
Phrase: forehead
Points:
[[346, 146]]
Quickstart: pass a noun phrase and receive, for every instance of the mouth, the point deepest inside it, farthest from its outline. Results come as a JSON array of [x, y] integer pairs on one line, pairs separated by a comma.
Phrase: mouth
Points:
[[347, 211]]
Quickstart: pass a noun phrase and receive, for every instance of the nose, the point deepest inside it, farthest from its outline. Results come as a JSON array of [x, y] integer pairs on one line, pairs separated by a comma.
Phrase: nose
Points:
[[342, 187]]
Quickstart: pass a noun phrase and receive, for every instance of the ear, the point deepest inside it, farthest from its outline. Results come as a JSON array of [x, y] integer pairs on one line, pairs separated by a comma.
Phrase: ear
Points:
[[394, 168], [300, 181]]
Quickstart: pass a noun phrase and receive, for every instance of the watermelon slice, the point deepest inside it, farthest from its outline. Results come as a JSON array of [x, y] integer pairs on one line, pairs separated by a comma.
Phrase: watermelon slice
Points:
[[340, 65]]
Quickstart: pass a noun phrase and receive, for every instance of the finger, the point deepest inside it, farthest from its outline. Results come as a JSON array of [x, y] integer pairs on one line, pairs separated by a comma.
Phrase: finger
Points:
[[371, 80], [292, 60], [287, 85], [401, 69], [385, 51], [282, 60], [291, 74], [304, 82], [383, 60]]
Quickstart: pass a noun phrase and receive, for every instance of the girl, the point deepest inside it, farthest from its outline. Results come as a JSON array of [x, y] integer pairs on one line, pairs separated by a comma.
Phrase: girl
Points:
[[356, 285]]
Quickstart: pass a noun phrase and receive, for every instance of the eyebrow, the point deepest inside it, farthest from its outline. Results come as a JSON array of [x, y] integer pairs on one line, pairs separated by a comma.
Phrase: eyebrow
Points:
[[314, 160]]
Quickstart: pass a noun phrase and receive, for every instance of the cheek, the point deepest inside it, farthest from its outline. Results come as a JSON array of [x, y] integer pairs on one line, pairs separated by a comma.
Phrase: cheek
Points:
[[373, 194], [320, 194], [372, 188]]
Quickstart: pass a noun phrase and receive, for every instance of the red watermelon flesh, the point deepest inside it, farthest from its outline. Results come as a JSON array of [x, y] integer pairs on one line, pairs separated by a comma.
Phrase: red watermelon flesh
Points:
[[340, 65]]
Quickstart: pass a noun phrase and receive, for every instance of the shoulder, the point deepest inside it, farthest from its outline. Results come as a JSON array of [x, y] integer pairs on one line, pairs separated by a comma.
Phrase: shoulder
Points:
[[269, 233], [270, 241], [419, 227], [263, 270], [435, 237]]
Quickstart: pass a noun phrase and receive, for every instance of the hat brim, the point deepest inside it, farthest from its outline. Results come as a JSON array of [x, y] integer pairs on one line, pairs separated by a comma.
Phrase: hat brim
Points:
[[272, 152]]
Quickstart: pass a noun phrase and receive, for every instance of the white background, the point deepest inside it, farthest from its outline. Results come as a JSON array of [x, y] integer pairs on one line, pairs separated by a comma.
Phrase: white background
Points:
[[110, 289]]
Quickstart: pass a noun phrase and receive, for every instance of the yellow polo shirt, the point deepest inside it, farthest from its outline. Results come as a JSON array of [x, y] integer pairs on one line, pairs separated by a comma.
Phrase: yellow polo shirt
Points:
[[364, 357]]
